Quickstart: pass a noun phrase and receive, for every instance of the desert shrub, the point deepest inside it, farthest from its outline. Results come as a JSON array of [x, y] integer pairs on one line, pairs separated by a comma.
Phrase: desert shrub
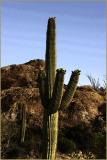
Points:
[[98, 145], [6, 102], [81, 135], [30, 139], [102, 110], [6, 82], [94, 83], [14, 151], [10, 140], [88, 139], [105, 82], [65, 145], [9, 130], [22, 81], [99, 124], [9, 136]]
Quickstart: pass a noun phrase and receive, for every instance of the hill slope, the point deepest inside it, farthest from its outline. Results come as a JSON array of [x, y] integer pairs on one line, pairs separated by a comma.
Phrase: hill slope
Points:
[[19, 84]]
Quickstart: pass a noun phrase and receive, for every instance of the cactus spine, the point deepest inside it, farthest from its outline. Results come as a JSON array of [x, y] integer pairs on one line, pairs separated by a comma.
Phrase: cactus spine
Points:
[[51, 91]]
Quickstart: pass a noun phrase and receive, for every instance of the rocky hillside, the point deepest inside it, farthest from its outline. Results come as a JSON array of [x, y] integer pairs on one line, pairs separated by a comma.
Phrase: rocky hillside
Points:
[[19, 84], [24, 75]]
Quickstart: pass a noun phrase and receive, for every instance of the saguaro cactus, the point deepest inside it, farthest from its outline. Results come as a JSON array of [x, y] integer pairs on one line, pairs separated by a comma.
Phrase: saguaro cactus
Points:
[[23, 126], [51, 90], [22, 119]]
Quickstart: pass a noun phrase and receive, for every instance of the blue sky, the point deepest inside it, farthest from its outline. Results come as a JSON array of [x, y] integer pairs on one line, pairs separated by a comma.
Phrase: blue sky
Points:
[[81, 35]]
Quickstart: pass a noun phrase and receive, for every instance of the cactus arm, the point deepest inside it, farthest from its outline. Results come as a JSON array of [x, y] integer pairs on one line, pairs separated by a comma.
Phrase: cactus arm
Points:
[[41, 79], [57, 91], [71, 88], [50, 66]]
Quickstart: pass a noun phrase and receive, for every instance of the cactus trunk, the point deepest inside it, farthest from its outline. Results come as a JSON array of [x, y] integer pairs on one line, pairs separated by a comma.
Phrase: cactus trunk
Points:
[[50, 135], [50, 57], [50, 126]]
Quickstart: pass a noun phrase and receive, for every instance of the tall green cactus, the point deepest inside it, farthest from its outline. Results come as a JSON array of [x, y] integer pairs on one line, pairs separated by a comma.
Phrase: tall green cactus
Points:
[[22, 119], [23, 125], [51, 84]]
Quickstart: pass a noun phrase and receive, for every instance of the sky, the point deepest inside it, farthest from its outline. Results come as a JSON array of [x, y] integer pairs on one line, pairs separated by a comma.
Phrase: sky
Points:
[[80, 35]]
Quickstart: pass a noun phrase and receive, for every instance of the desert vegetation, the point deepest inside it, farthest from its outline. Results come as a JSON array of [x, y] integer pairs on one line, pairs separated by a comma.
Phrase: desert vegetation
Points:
[[43, 118]]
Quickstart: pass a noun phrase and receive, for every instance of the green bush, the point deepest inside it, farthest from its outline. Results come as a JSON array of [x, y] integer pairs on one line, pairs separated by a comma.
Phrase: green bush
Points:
[[98, 144], [10, 141], [9, 138], [88, 139], [99, 124], [66, 146], [81, 135]]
